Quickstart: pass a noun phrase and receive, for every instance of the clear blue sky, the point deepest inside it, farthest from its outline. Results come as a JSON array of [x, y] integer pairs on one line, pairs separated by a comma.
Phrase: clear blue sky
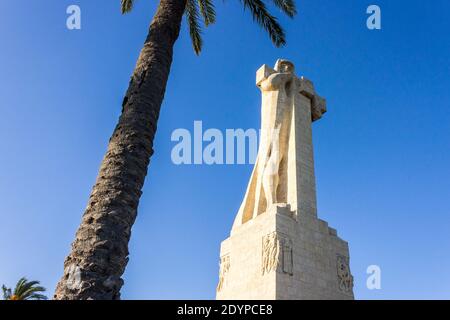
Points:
[[382, 151]]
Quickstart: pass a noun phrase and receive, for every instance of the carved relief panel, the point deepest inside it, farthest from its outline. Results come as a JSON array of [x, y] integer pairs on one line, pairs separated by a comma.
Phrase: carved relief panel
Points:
[[345, 278], [223, 271], [277, 254]]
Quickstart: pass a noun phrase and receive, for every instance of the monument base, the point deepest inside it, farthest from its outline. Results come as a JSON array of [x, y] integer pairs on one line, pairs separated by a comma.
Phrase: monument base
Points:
[[279, 255]]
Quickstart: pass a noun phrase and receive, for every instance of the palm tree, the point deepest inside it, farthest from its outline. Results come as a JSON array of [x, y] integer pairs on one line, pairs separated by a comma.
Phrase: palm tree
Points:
[[24, 290], [99, 253]]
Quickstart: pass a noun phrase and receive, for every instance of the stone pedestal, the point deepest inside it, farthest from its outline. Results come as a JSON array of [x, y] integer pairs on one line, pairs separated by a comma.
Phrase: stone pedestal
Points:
[[276, 256]]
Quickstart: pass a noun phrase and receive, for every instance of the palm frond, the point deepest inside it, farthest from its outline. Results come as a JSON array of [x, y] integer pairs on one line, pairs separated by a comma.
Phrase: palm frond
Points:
[[37, 296], [28, 290], [193, 18], [7, 292], [31, 293], [126, 5], [287, 6], [266, 21], [207, 11], [21, 286]]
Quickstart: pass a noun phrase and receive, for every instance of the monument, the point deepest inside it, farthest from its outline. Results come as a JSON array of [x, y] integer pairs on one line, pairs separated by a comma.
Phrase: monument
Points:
[[278, 248]]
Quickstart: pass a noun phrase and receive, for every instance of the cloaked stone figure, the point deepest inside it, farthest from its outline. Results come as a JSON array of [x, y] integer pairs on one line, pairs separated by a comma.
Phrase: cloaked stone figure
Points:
[[270, 182]]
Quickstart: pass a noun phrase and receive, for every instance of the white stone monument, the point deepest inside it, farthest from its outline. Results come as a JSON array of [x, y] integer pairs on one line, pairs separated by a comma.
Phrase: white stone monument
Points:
[[278, 248]]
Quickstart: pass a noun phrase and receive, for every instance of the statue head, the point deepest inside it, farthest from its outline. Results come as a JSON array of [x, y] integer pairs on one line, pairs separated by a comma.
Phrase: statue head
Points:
[[284, 66]]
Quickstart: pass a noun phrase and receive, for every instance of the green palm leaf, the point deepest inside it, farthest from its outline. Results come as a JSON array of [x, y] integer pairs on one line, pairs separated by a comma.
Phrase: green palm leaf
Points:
[[196, 9], [268, 22], [25, 290], [32, 293], [6, 293], [126, 5], [193, 17], [207, 11], [287, 6]]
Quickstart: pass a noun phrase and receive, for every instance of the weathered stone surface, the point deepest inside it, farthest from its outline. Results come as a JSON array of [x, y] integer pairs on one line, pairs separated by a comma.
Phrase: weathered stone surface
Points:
[[278, 248]]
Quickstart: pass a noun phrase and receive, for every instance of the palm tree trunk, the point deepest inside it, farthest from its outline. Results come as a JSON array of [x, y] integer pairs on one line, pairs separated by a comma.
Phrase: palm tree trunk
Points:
[[99, 253]]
